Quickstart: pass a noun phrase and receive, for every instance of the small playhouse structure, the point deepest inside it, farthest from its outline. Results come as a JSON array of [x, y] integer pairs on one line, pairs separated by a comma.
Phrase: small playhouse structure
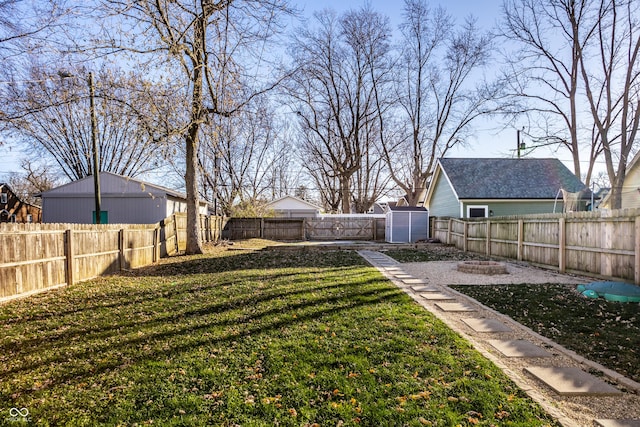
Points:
[[406, 224]]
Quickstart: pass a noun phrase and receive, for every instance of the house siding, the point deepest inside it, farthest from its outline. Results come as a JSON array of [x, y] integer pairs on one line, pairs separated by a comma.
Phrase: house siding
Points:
[[126, 201], [17, 210], [121, 210], [516, 207], [443, 201], [630, 193], [295, 213]]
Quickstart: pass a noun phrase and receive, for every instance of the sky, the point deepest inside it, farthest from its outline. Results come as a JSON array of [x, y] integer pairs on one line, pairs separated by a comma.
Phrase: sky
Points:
[[490, 139]]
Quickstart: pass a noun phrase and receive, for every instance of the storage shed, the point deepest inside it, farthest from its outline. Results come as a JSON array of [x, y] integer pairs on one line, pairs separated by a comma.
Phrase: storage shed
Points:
[[406, 224]]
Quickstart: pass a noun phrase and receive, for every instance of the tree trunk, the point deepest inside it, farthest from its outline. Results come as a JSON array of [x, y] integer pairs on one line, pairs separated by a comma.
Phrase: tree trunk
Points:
[[345, 181], [191, 181], [194, 245]]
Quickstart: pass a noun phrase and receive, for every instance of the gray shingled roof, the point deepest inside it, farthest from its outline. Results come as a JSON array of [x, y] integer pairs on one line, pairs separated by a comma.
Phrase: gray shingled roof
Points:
[[509, 178]]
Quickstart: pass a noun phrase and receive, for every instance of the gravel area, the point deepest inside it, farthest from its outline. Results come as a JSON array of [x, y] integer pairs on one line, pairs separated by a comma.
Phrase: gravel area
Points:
[[446, 273], [568, 410]]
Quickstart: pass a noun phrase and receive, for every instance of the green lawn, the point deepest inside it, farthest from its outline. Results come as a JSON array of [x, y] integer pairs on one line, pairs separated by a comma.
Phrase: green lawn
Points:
[[251, 339]]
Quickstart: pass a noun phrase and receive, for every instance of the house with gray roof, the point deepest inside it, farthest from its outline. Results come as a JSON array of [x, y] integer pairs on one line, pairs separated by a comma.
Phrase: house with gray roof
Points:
[[124, 201], [477, 187]]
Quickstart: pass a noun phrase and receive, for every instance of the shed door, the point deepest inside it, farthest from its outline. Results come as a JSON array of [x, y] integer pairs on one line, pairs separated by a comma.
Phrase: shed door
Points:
[[419, 226], [401, 226]]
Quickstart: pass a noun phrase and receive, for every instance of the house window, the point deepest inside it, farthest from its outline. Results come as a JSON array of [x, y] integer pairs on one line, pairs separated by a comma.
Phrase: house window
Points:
[[477, 211], [29, 218], [3, 198]]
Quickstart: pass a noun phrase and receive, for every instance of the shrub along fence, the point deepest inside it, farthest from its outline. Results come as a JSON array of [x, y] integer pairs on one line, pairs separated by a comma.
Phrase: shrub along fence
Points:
[[329, 227], [38, 257], [600, 243]]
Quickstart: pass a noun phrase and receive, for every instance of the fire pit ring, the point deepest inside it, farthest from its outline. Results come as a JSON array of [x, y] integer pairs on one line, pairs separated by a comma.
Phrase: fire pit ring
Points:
[[482, 267]]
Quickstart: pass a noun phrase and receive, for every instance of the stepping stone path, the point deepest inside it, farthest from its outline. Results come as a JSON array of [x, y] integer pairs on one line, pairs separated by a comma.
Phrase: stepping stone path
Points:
[[617, 423], [464, 314], [425, 289], [572, 381], [436, 296], [486, 325], [454, 306], [519, 348], [414, 281]]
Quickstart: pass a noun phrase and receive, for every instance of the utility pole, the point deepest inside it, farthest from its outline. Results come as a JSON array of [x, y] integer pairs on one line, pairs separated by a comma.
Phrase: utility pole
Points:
[[521, 145], [518, 142], [94, 143]]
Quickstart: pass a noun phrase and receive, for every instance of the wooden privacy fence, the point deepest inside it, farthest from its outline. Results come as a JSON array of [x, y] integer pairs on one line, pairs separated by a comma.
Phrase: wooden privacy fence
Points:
[[322, 228], [345, 227], [37, 257], [600, 243], [264, 228]]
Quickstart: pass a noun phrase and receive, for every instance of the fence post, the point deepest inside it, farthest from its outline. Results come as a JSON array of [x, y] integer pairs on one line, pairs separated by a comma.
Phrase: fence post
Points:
[[449, 231], [520, 239], [156, 244], [303, 226], [374, 229], [175, 229], [68, 249], [465, 242], [606, 242], [488, 249], [562, 244], [636, 269], [121, 259]]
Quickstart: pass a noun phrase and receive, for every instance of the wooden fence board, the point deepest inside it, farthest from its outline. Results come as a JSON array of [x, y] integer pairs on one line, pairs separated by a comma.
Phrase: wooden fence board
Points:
[[599, 243], [340, 228], [36, 257], [283, 229], [324, 228]]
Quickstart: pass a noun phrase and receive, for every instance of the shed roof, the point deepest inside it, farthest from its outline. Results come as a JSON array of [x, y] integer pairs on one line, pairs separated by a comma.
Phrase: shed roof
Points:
[[112, 184], [477, 178], [408, 208]]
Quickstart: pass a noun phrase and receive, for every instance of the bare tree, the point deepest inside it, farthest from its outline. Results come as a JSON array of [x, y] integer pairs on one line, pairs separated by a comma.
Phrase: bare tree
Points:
[[544, 66], [26, 29], [50, 114], [246, 154], [611, 72], [334, 95], [35, 179], [26, 25], [437, 102], [208, 41]]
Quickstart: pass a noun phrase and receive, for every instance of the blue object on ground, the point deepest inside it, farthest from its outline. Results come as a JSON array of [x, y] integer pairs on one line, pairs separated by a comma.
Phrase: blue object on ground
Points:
[[611, 291], [590, 294]]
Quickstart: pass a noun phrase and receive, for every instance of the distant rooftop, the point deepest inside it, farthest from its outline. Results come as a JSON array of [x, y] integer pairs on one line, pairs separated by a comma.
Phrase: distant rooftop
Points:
[[478, 178]]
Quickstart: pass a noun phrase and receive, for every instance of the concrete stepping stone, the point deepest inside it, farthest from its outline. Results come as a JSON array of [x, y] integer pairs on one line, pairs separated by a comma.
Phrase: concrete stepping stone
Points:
[[414, 281], [436, 296], [486, 325], [519, 348], [572, 381], [403, 276], [617, 423], [425, 289], [454, 306]]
